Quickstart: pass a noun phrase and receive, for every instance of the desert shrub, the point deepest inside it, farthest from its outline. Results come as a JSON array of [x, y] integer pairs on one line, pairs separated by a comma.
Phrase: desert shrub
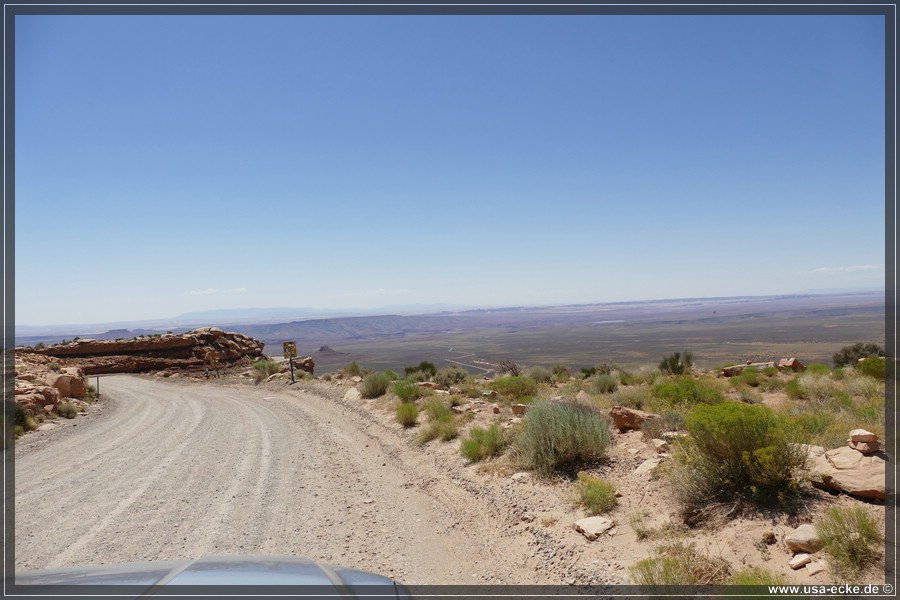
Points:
[[865, 387], [264, 368], [426, 366], [452, 375], [560, 372], [20, 414], [680, 564], [595, 494], [407, 413], [849, 355], [655, 428], [441, 422], [327, 377], [749, 377], [687, 392], [756, 576], [374, 385], [67, 410], [514, 387], [792, 388], [872, 366], [852, 539], [483, 443], [630, 397], [54, 366], [90, 393], [604, 384], [626, 378], [511, 367], [407, 391], [392, 375], [540, 375], [418, 376], [736, 452], [638, 522], [677, 364], [749, 395], [815, 386], [560, 434], [588, 372], [353, 370], [471, 390], [818, 369]]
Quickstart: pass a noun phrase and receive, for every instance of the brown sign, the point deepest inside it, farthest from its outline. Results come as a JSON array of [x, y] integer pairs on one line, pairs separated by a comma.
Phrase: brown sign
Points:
[[290, 349]]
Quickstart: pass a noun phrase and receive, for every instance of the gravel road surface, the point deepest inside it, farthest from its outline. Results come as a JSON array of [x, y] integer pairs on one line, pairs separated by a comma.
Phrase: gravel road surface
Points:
[[167, 470]]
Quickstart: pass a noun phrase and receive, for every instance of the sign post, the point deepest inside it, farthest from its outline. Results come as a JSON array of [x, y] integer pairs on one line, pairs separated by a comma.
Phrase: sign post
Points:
[[290, 350]]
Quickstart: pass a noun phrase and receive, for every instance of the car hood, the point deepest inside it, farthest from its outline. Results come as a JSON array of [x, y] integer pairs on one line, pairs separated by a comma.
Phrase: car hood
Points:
[[213, 573]]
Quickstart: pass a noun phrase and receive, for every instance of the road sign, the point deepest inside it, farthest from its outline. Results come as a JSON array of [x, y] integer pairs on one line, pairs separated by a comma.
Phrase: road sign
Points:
[[290, 349]]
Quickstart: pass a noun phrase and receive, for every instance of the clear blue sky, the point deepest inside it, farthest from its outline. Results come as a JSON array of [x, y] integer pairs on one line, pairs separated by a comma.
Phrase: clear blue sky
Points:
[[167, 164]]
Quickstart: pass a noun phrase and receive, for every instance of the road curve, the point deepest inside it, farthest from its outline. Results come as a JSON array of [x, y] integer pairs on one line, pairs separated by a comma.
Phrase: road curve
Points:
[[174, 470]]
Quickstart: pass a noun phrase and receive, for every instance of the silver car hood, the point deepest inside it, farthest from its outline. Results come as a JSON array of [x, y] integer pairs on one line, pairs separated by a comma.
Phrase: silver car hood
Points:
[[213, 573]]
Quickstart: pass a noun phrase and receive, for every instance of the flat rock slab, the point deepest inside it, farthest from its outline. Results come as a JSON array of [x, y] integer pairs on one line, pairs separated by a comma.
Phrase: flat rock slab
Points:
[[648, 465], [800, 560], [593, 527], [846, 470], [352, 394]]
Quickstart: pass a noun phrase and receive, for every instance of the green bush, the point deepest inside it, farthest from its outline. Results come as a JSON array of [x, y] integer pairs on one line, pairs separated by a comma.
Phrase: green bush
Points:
[[20, 416], [595, 494], [441, 423], [265, 368], [852, 539], [680, 564], [54, 366], [604, 384], [452, 375], [588, 372], [818, 369], [687, 392], [483, 443], [630, 397], [515, 387], [353, 370], [560, 372], [418, 376], [559, 434], [424, 366], [676, 364], [391, 375], [540, 375], [849, 355], [67, 410], [374, 385], [736, 452], [407, 391], [872, 366], [407, 413]]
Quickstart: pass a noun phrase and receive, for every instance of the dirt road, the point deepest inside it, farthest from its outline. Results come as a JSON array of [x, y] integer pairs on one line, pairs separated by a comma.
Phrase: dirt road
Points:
[[167, 470]]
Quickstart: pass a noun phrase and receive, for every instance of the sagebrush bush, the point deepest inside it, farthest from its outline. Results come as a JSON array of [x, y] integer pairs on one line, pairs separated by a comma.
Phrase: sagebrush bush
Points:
[[391, 375], [816, 386], [852, 539], [67, 410], [687, 393], [424, 366], [483, 443], [560, 372], [736, 452], [407, 391], [374, 385], [265, 368], [595, 494], [514, 387], [353, 370], [407, 413], [872, 367], [849, 355], [604, 384], [559, 434], [631, 397], [447, 376], [680, 564], [540, 375]]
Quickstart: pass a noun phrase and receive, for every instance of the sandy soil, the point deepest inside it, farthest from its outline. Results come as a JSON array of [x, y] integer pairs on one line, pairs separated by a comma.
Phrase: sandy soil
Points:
[[165, 470]]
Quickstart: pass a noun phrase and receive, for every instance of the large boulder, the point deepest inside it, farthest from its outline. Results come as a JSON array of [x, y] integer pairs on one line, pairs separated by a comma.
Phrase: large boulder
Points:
[[628, 419], [804, 539], [848, 470], [69, 385]]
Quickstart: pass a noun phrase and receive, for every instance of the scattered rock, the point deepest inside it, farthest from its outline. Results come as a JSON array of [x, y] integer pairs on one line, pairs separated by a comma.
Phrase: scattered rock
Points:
[[519, 409], [356, 379], [790, 363], [593, 527], [814, 568], [352, 395], [521, 477], [648, 465], [490, 394], [628, 419], [583, 396], [495, 408], [661, 446], [803, 539], [800, 560]]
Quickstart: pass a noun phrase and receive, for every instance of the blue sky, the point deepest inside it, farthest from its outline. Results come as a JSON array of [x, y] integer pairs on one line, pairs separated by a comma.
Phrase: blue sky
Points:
[[167, 164]]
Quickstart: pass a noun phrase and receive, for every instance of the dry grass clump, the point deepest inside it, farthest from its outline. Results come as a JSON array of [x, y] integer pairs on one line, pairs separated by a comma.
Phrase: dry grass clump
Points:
[[441, 423], [407, 413], [374, 385], [596, 495], [680, 564], [852, 539], [483, 443], [264, 368]]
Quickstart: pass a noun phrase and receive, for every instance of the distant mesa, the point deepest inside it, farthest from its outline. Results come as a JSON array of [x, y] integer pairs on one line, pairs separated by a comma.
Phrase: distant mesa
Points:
[[328, 350]]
